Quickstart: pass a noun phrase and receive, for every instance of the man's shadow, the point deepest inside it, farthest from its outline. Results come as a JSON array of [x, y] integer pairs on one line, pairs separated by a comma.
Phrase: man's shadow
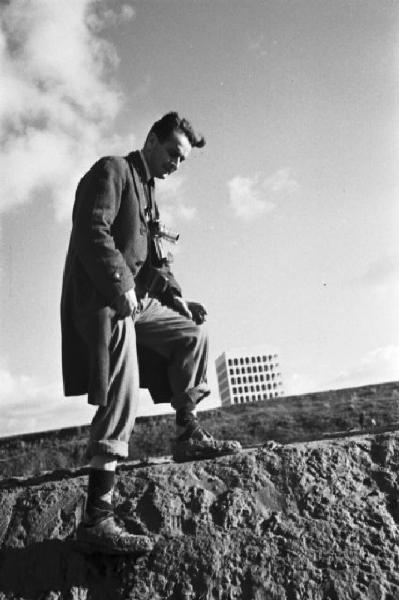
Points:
[[58, 566]]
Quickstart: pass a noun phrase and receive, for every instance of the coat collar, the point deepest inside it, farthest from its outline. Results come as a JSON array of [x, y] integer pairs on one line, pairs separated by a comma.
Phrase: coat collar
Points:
[[136, 158], [146, 191]]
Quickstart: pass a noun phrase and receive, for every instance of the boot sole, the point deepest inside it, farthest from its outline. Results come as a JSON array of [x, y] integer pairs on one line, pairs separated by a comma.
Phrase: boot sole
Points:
[[204, 455]]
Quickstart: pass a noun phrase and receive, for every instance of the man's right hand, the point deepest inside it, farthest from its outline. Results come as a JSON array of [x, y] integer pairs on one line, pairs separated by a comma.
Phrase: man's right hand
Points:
[[126, 304]]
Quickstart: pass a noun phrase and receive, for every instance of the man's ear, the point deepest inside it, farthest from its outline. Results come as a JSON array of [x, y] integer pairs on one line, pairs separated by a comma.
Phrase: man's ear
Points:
[[150, 142]]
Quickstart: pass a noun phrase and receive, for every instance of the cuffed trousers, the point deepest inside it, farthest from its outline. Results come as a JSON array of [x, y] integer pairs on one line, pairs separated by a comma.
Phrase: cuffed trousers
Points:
[[179, 340]]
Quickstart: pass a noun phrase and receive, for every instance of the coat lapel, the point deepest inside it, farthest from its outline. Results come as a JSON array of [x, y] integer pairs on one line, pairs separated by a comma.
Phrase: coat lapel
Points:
[[138, 173]]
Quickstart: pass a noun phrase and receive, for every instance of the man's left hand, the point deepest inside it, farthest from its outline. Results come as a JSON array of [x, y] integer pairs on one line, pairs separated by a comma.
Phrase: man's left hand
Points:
[[198, 312], [181, 306], [191, 310]]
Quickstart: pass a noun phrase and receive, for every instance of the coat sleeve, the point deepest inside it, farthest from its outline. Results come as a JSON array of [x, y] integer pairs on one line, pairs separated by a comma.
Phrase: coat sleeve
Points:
[[172, 289], [98, 200]]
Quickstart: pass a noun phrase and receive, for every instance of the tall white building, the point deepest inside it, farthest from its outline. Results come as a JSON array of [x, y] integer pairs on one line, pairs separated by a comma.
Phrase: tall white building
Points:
[[248, 375]]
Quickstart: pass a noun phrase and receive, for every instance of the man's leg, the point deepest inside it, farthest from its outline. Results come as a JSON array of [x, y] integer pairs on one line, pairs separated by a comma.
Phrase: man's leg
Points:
[[184, 345], [109, 437]]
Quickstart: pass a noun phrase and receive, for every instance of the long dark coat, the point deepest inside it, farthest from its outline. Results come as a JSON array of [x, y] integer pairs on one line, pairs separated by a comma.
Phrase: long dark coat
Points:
[[109, 251]]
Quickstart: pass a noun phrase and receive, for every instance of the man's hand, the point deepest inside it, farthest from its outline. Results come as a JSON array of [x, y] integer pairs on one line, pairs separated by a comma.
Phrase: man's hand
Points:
[[126, 304], [198, 312], [181, 306], [191, 310]]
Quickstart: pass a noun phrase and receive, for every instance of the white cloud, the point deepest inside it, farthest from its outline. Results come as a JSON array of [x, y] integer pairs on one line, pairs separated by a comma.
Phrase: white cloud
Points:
[[299, 383], [382, 275], [28, 405], [251, 197], [16, 390], [377, 366], [58, 98], [103, 16], [171, 198], [246, 197], [281, 182]]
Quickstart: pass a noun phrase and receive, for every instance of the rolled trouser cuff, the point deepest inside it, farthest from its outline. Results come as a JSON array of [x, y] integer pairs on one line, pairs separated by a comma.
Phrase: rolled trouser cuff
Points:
[[113, 448], [190, 398]]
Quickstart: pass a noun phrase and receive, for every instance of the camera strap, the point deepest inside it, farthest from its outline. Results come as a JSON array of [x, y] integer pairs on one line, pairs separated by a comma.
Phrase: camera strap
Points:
[[149, 192]]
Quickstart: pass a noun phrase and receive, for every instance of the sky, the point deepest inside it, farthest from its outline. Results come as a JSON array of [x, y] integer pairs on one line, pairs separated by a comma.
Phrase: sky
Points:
[[287, 217]]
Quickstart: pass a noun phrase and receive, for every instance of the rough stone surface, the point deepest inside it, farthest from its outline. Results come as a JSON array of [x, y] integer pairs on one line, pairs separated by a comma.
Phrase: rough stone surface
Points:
[[311, 521]]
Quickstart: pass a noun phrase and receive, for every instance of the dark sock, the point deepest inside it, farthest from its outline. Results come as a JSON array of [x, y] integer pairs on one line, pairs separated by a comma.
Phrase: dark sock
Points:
[[185, 417], [187, 421], [100, 483]]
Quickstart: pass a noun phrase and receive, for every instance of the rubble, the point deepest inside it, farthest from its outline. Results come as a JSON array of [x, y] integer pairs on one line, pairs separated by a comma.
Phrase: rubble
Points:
[[305, 521]]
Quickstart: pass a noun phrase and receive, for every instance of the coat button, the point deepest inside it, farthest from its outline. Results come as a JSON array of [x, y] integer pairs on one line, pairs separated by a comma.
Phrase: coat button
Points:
[[117, 276]]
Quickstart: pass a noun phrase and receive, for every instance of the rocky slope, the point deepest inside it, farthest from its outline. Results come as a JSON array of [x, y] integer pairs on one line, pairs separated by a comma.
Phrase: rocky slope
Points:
[[307, 521]]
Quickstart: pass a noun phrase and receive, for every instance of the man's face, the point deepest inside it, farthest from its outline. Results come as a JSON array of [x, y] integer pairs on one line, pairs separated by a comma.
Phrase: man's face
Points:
[[164, 158]]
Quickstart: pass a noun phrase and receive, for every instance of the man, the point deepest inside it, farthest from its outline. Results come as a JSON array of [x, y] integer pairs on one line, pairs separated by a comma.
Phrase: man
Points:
[[125, 322]]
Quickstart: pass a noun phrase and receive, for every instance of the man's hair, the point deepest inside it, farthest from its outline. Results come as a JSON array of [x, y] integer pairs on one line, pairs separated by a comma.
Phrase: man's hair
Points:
[[171, 122]]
